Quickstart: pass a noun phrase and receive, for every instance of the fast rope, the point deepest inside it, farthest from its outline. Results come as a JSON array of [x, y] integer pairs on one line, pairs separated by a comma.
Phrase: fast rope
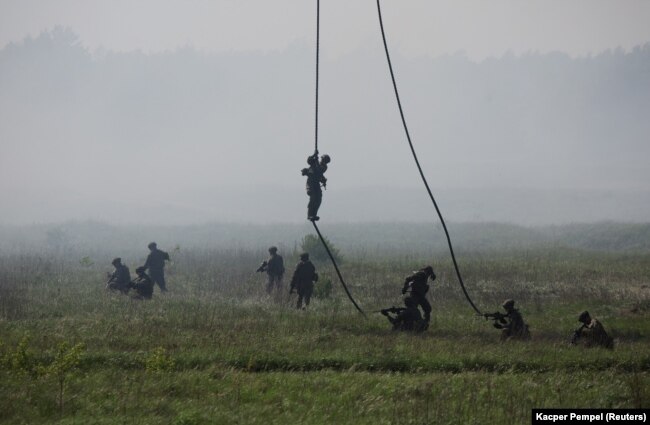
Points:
[[320, 236], [338, 272], [417, 162], [317, 66]]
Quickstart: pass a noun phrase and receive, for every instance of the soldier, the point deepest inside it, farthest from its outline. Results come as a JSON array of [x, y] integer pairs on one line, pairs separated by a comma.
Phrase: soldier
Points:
[[417, 284], [156, 265], [303, 280], [406, 319], [591, 333], [121, 277], [511, 324], [142, 284], [274, 269], [315, 177]]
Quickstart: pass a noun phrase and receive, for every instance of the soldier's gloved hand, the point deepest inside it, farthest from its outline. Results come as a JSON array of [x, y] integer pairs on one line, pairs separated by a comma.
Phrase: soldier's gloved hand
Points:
[[403, 291], [304, 171]]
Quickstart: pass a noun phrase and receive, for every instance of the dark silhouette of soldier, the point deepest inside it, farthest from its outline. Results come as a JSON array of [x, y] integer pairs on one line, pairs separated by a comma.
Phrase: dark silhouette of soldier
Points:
[[142, 284], [121, 277], [274, 270], [417, 284], [405, 319], [512, 323], [156, 265], [303, 280], [315, 177], [591, 333]]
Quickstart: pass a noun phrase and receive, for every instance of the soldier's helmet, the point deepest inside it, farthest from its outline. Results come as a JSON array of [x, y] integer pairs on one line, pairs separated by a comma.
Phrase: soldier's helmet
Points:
[[273, 249], [326, 159], [304, 256], [140, 270], [508, 304], [584, 317], [311, 160], [152, 245], [428, 270], [410, 302], [116, 261]]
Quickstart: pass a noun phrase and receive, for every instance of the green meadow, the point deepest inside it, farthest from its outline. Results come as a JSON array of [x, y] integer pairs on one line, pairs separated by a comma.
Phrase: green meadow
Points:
[[217, 349]]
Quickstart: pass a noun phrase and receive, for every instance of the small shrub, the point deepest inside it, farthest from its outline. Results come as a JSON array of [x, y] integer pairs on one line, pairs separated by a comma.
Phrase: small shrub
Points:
[[323, 288], [22, 360], [65, 361], [316, 250], [158, 361]]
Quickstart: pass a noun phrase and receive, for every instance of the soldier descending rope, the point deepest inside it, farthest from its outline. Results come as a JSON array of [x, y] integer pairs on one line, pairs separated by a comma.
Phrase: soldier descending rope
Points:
[[315, 178]]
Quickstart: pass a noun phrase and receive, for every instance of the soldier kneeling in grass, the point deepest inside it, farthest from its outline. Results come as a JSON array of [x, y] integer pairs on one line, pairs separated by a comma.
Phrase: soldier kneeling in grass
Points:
[[120, 278], [142, 284], [406, 318], [591, 333], [511, 324]]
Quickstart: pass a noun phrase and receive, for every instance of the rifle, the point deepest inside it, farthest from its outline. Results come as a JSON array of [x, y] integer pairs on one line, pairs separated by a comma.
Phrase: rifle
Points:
[[111, 277], [393, 310], [262, 267], [497, 317], [577, 334]]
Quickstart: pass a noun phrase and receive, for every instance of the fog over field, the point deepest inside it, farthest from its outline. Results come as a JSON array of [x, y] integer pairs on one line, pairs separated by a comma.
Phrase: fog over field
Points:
[[544, 134]]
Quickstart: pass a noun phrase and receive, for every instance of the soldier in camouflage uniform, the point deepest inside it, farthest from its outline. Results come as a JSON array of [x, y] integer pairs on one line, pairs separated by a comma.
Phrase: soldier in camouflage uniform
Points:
[[142, 284], [406, 319], [156, 265], [303, 280], [274, 270], [512, 323], [121, 277], [417, 284], [591, 333], [315, 177]]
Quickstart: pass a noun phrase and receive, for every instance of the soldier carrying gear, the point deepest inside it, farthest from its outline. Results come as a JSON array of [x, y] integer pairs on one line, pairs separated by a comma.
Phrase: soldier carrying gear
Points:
[[315, 177], [591, 333], [406, 319], [303, 280], [274, 268], [121, 277], [156, 265], [142, 284], [511, 324], [417, 284]]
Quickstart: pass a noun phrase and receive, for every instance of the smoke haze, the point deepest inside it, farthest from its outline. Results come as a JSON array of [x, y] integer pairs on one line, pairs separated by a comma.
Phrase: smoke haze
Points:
[[186, 136]]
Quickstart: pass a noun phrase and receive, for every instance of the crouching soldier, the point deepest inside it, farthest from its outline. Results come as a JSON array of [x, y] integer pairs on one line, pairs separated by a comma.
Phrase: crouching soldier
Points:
[[142, 284], [591, 333], [121, 277], [417, 284], [405, 319], [511, 324], [303, 281]]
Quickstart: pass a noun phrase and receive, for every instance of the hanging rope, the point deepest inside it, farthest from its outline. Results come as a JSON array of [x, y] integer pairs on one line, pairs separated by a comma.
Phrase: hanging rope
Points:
[[320, 236], [336, 267], [317, 66], [417, 162]]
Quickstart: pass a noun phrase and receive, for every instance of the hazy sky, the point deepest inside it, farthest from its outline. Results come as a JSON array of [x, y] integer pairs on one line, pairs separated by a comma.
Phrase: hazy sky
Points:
[[220, 130], [479, 28]]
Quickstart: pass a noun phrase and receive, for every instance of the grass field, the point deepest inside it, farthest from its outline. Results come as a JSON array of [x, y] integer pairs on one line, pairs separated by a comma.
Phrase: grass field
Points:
[[216, 349]]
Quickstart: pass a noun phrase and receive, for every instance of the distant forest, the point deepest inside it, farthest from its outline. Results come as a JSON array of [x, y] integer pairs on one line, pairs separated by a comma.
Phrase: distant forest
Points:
[[191, 137]]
